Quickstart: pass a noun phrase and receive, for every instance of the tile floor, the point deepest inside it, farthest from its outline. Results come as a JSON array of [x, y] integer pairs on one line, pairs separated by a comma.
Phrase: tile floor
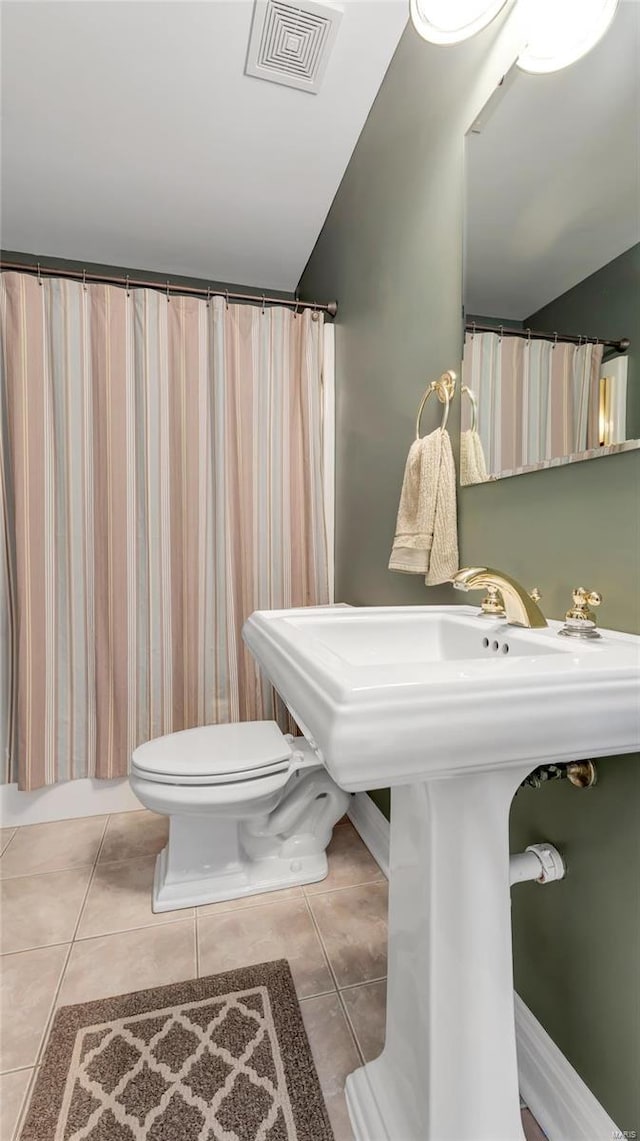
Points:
[[77, 925]]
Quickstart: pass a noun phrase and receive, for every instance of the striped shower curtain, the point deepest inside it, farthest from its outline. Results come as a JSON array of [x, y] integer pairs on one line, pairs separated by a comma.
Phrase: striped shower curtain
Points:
[[535, 400], [162, 477]]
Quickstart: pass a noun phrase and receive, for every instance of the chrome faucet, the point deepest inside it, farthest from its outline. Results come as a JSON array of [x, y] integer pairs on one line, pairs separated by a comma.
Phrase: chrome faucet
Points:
[[520, 607]]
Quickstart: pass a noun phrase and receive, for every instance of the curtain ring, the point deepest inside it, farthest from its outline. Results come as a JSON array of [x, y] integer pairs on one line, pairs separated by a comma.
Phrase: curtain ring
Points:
[[208, 296], [226, 295], [84, 280], [168, 298], [473, 329], [263, 303], [555, 340], [315, 314], [39, 278], [126, 286], [295, 311], [500, 332], [528, 338]]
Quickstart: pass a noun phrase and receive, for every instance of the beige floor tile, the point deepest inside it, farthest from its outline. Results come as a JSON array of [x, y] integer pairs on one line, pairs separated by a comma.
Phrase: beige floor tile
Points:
[[13, 1088], [40, 910], [350, 862], [532, 1130], [334, 1054], [366, 1007], [132, 834], [28, 985], [52, 847], [119, 899], [131, 960], [260, 934], [353, 926], [5, 836], [259, 900]]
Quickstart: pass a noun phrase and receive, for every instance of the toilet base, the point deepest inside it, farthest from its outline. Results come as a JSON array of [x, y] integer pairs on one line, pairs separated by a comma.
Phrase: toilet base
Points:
[[255, 877]]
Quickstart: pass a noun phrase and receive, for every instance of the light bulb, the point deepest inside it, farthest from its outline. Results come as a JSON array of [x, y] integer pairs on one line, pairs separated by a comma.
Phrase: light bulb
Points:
[[450, 21], [559, 32]]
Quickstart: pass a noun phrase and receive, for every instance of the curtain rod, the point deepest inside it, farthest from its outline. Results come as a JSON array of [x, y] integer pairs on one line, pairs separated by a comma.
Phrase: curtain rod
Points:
[[330, 307], [532, 335]]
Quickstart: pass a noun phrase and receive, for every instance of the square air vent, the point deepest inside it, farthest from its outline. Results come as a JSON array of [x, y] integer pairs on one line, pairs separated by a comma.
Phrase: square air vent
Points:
[[290, 43]]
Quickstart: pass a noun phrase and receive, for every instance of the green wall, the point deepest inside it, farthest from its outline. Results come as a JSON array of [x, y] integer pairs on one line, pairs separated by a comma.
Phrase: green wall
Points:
[[391, 251], [607, 305]]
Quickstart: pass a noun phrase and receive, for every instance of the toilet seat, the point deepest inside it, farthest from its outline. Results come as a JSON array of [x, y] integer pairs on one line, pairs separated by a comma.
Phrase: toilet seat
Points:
[[215, 754]]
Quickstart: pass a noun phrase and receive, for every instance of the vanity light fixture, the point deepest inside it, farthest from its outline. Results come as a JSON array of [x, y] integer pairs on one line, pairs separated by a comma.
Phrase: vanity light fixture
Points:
[[557, 32], [450, 21], [562, 31]]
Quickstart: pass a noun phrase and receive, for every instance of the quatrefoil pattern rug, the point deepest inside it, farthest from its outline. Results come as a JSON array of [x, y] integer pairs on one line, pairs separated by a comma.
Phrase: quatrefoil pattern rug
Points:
[[224, 1058]]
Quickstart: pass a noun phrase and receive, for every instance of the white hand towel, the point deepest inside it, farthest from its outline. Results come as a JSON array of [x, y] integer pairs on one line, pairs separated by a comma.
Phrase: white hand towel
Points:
[[468, 467], [426, 540], [481, 463], [473, 468]]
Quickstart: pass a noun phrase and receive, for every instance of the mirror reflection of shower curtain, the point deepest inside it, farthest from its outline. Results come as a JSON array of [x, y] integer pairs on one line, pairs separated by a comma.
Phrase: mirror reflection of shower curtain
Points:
[[536, 399]]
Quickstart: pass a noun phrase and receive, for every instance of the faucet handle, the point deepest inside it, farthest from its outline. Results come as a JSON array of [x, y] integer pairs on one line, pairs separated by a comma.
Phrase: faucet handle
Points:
[[492, 604], [580, 620], [582, 598], [535, 594]]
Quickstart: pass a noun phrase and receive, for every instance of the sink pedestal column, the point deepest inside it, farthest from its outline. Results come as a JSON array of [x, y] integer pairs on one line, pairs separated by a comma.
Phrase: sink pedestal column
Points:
[[448, 1071]]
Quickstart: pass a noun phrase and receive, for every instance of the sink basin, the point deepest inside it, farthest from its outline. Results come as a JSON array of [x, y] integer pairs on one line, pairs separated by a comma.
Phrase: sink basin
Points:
[[435, 681], [452, 711], [385, 637]]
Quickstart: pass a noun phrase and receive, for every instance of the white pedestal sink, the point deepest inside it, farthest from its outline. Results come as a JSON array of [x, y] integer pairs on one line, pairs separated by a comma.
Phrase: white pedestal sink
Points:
[[452, 711]]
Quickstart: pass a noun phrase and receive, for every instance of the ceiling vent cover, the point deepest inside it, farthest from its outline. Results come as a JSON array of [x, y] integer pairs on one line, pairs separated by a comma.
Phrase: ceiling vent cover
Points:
[[291, 43]]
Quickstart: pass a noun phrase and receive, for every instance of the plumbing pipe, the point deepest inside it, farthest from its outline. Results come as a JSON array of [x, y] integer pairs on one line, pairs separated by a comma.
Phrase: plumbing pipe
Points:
[[540, 862]]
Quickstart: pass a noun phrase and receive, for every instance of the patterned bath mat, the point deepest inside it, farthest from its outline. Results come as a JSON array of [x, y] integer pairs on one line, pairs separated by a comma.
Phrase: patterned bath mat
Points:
[[224, 1058]]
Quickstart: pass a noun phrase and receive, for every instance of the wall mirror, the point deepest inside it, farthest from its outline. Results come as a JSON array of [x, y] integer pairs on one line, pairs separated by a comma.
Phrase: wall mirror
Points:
[[551, 368]]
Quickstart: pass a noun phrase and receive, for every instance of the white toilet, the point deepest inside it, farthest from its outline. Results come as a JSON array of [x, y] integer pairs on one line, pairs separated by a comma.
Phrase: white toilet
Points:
[[250, 810]]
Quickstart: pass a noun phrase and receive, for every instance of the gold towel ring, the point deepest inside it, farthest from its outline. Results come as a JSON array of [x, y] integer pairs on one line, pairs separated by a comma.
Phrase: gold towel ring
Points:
[[474, 406], [444, 387]]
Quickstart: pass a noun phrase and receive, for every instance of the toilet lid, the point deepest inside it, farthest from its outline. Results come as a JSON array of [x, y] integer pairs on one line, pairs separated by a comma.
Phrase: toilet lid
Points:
[[214, 753]]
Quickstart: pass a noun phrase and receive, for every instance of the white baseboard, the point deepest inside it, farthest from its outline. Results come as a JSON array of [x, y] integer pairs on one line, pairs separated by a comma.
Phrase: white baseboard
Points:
[[373, 827], [65, 801], [561, 1103], [555, 1093]]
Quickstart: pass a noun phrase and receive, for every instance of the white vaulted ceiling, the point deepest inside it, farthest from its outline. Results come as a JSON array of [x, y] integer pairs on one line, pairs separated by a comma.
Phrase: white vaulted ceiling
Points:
[[132, 136]]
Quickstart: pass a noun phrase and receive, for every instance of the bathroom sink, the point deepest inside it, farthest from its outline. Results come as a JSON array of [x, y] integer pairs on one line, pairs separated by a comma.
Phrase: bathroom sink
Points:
[[447, 689], [452, 711]]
